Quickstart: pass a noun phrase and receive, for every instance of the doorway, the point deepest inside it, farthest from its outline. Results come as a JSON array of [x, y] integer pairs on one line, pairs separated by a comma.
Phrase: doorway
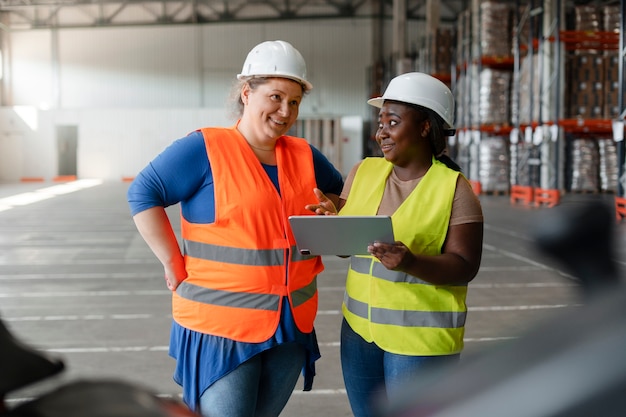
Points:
[[67, 144]]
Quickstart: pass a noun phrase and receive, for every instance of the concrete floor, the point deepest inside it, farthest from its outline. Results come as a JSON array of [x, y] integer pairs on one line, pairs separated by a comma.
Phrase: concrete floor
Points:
[[76, 280]]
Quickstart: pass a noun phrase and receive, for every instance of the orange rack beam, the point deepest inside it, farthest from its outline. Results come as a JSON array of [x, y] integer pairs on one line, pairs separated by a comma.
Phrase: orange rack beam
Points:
[[576, 39], [587, 125]]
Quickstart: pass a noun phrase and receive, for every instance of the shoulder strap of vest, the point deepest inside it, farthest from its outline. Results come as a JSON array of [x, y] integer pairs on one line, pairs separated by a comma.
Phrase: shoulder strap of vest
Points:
[[368, 186]]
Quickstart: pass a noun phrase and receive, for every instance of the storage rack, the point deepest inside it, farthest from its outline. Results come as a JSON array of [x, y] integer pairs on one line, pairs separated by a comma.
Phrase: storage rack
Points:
[[480, 131], [547, 130]]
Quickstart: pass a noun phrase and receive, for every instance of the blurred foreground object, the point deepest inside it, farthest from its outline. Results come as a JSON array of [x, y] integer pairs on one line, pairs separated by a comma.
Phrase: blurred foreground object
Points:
[[22, 365], [572, 365], [101, 398]]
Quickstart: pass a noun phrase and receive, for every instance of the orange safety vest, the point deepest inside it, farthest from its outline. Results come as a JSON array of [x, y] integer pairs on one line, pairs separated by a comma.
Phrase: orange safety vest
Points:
[[240, 267]]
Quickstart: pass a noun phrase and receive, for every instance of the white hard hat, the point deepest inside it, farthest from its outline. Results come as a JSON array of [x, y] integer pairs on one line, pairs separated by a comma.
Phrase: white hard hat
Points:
[[423, 90], [275, 59]]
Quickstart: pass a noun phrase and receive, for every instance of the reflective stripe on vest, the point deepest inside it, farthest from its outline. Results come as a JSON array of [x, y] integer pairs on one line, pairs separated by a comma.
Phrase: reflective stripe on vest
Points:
[[401, 313], [243, 266], [243, 300], [260, 257], [264, 257], [445, 319]]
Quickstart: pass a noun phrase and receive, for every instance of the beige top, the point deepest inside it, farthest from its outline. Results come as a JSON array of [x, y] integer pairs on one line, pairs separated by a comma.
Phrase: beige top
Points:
[[465, 207]]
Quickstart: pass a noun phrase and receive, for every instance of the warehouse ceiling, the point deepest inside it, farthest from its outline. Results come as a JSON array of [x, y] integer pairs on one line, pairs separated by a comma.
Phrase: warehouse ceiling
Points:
[[38, 14], [34, 14]]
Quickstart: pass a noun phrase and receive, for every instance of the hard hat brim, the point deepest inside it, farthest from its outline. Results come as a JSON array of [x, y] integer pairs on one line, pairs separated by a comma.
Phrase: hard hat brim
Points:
[[307, 85], [379, 101], [376, 102]]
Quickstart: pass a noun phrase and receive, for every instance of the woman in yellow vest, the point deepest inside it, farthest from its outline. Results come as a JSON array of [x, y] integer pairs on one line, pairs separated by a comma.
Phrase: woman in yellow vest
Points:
[[243, 300], [404, 305]]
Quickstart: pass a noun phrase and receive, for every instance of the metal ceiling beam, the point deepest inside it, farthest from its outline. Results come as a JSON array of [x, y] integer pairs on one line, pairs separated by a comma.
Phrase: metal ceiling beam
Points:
[[37, 14]]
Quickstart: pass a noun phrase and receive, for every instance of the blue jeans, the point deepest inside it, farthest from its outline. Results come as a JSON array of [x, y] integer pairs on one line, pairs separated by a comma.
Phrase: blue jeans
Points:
[[259, 387], [373, 377]]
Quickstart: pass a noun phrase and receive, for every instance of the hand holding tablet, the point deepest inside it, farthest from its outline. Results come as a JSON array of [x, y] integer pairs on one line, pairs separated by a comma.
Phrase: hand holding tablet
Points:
[[339, 235]]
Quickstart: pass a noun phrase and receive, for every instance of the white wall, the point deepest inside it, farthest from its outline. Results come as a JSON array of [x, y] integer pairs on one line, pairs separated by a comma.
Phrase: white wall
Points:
[[183, 66], [31, 68], [113, 143], [133, 90]]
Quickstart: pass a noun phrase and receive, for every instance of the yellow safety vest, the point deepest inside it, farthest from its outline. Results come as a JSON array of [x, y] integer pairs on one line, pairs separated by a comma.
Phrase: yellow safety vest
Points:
[[240, 268], [401, 313]]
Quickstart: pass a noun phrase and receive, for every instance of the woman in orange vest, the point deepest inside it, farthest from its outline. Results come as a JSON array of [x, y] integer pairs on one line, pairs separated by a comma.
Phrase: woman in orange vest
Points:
[[404, 306], [243, 300]]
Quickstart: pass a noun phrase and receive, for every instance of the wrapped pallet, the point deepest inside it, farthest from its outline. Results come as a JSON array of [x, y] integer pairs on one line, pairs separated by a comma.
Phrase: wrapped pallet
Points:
[[493, 154], [491, 29], [491, 92], [608, 166], [612, 18], [588, 18], [439, 52], [584, 165]]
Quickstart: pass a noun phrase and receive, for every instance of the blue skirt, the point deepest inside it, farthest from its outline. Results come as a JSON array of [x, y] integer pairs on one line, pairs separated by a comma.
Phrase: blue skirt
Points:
[[202, 359]]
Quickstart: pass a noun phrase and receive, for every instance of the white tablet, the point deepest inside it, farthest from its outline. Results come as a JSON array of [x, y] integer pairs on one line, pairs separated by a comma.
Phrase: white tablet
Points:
[[339, 235]]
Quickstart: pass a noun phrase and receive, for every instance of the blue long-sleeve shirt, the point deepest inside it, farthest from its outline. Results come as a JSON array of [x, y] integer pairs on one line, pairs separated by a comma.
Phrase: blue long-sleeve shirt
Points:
[[182, 174]]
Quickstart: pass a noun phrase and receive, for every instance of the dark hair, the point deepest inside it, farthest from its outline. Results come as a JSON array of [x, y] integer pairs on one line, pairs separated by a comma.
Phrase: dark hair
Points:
[[437, 138]]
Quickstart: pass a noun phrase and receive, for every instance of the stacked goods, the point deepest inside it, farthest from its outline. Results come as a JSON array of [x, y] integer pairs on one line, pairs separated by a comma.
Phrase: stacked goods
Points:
[[584, 159], [592, 69], [490, 86], [608, 167], [593, 94], [493, 163], [491, 28], [491, 96], [586, 92], [441, 52], [585, 79], [612, 22], [611, 108], [588, 18], [612, 18]]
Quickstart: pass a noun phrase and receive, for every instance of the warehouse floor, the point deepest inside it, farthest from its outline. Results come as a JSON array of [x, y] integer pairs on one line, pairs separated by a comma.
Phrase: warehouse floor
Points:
[[78, 281]]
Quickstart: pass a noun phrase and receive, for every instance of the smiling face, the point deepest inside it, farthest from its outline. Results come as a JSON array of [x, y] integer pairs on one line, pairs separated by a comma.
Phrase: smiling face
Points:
[[402, 134], [270, 109]]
